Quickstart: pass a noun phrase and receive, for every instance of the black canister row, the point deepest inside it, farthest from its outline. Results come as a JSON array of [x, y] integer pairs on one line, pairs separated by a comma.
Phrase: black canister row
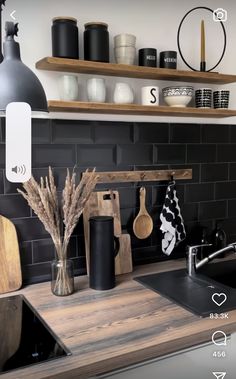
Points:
[[65, 44], [65, 40]]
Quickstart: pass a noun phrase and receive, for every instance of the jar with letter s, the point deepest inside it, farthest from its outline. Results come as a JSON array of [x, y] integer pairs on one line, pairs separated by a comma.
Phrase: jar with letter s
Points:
[[150, 95]]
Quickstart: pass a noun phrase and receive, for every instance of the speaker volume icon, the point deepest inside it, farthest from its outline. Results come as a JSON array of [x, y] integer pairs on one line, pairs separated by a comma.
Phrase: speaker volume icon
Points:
[[19, 169]]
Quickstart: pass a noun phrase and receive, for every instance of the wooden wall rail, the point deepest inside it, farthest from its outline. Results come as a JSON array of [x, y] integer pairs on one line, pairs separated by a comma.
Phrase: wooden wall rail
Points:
[[143, 176]]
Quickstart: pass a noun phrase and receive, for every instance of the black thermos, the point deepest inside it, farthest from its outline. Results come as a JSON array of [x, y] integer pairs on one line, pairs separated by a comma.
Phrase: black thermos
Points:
[[96, 42], [65, 38], [103, 249]]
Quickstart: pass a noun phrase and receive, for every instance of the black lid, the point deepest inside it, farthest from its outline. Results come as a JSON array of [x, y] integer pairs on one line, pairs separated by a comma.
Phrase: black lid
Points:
[[101, 218]]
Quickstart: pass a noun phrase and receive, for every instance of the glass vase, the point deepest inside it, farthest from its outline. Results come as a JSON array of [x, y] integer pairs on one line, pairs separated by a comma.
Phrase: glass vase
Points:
[[62, 283]]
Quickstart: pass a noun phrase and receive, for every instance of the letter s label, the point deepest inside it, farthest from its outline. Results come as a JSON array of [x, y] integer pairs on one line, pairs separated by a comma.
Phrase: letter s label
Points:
[[154, 100]]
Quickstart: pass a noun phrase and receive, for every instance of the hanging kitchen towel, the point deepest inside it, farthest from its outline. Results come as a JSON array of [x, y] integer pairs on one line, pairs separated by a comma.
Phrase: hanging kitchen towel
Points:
[[172, 224]]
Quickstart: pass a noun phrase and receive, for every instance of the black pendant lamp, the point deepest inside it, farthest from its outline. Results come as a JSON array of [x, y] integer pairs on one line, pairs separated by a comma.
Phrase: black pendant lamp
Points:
[[17, 82]]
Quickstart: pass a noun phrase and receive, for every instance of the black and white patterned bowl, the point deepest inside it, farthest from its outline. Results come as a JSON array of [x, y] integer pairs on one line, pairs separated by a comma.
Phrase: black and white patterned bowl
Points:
[[178, 96]]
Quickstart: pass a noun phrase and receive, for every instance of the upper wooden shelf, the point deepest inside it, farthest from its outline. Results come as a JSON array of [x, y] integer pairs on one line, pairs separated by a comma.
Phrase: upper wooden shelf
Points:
[[131, 71]]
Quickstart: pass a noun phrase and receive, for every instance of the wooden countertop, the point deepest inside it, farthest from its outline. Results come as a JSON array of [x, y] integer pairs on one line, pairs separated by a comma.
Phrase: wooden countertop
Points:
[[112, 329]]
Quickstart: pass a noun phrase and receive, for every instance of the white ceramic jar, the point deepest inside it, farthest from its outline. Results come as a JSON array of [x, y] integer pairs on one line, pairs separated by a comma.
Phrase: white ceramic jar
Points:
[[68, 88], [123, 94], [96, 90], [150, 95]]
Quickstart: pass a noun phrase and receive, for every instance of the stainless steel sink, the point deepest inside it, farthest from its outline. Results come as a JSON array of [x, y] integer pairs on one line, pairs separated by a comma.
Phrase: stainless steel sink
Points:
[[195, 293]]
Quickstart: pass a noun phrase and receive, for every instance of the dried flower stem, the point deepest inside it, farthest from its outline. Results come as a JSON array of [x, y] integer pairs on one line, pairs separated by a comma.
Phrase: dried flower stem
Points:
[[59, 221]]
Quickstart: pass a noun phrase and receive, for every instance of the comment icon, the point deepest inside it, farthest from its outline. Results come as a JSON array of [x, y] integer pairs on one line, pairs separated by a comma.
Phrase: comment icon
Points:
[[219, 338]]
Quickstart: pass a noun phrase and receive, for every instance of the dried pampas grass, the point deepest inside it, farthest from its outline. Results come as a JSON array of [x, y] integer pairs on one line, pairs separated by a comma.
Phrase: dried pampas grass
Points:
[[59, 219]]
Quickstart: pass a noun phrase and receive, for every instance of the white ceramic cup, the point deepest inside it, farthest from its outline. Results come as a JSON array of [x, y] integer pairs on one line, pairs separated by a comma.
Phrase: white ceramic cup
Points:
[[123, 94], [68, 88], [96, 90], [150, 95]]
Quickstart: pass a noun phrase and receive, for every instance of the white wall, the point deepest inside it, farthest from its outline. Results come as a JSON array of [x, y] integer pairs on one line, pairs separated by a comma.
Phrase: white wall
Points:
[[154, 22]]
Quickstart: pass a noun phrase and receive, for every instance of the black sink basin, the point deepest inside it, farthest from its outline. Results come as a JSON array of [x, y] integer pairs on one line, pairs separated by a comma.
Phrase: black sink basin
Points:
[[222, 272], [195, 294]]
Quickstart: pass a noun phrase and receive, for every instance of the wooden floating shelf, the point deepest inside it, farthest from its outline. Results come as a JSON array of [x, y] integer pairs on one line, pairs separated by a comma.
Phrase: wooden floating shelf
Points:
[[142, 176], [131, 71], [136, 109]]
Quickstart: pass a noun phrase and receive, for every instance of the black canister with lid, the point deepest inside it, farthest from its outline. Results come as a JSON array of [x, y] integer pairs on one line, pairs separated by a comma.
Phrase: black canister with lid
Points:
[[103, 249], [96, 42], [65, 38]]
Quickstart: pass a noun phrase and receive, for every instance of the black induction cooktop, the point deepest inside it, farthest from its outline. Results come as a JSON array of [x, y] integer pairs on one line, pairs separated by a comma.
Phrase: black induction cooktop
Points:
[[25, 338]]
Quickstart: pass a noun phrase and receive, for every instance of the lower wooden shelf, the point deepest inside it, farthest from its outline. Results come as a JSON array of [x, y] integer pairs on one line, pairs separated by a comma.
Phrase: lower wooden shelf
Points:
[[136, 109]]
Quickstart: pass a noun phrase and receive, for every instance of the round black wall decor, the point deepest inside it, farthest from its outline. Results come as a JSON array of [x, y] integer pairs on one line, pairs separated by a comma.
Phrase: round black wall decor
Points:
[[178, 37]]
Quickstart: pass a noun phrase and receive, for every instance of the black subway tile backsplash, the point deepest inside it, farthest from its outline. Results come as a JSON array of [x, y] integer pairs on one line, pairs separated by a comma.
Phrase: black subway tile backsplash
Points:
[[199, 192], [65, 131], [151, 132], [233, 133], [226, 190], [214, 172], [96, 155], [232, 208], [2, 156], [212, 133], [54, 155], [209, 149], [185, 133], [201, 153], [14, 206], [170, 153], [212, 210], [135, 154], [232, 171], [41, 131], [226, 153], [29, 229], [1, 181], [109, 132]]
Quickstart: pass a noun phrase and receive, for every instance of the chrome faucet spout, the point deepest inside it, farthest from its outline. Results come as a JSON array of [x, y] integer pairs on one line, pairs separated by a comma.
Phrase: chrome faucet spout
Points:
[[231, 247], [193, 265]]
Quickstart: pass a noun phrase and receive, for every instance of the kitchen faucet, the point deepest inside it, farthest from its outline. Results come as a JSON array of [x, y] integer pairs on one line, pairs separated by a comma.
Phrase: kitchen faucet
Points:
[[193, 264]]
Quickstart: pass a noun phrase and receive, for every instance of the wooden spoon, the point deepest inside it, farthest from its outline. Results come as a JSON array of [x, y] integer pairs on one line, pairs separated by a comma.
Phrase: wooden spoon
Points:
[[143, 224]]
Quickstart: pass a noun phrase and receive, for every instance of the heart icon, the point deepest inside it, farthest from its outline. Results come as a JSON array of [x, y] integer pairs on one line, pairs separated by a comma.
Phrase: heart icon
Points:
[[219, 298]]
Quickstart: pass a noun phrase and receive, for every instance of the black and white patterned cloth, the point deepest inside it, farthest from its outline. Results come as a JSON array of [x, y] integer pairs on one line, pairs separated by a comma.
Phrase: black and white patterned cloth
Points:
[[172, 224]]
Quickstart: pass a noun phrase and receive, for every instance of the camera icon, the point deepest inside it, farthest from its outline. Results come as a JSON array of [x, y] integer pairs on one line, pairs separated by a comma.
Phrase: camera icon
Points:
[[220, 14]]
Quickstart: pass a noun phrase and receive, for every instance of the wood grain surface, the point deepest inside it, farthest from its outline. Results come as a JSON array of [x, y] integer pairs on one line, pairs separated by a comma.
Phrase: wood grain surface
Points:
[[143, 176], [10, 267], [136, 109], [131, 71], [106, 330]]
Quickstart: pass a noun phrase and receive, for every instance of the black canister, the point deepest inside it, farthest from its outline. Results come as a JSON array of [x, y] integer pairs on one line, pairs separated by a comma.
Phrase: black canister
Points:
[[148, 57], [168, 59], [96, 42], [103, 249], [65, 38]]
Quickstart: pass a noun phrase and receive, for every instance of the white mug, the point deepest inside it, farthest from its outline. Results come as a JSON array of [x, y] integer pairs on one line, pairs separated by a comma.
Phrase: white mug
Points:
[[150, 95], [96, 90], [68, 88], [123, 94]]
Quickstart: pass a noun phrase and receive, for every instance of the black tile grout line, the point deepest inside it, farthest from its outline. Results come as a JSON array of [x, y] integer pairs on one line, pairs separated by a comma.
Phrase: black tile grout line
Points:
[[229, 170], [51, 132], [32, 253], [227, 208], [135, 133]]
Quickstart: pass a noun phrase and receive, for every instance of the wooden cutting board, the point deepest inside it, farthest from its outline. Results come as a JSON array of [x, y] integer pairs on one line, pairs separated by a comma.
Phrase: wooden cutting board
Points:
[[10, 267], [107, 203], [123, 262]]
